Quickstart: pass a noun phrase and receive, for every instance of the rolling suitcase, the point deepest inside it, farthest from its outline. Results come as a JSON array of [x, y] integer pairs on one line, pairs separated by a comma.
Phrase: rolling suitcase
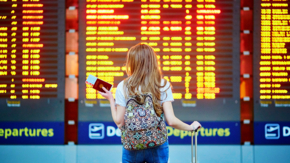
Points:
[[195, 136]]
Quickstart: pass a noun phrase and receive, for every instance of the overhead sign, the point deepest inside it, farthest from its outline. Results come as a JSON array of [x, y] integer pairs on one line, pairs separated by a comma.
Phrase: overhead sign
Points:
[[271, 61], [32, 57], [31, 133], [197, 44], [272, 133], [210, 133]]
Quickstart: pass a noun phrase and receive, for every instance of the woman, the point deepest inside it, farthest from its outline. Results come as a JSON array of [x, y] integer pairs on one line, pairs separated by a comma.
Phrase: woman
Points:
[[144, 76]]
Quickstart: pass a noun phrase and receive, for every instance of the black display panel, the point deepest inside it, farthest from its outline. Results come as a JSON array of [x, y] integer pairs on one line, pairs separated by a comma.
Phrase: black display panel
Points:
[[197, 43], [271, 60], [32, 54]]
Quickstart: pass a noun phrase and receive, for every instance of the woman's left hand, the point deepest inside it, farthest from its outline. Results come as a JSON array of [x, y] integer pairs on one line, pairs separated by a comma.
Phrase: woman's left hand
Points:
[[108, 95]]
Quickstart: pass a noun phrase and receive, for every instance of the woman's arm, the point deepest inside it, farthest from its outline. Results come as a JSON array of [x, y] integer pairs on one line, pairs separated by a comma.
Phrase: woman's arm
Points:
[[120, 116], [117, 112], [174, 121]]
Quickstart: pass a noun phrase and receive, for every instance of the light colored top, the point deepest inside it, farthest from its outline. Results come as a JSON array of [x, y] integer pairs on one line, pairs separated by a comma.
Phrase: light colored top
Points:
[[165, 96]]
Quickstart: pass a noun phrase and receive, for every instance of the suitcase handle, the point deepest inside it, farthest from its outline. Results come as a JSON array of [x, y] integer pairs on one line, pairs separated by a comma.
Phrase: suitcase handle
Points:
[[195, 136]]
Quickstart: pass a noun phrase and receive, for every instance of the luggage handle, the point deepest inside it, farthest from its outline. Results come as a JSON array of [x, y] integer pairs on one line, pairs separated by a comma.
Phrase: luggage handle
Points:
[[195, 136]]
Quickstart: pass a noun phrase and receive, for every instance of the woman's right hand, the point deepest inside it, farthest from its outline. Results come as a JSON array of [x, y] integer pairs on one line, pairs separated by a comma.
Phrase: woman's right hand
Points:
[[108, 94], [195, 125]]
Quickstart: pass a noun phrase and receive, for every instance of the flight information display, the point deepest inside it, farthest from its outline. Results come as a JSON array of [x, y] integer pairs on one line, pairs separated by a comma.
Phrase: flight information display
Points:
[[272, 60], [197, 43], [32, 60]]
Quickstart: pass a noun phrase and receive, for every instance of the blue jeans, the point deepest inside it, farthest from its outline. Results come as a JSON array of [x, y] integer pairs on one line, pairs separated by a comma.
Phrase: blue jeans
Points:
[[151, 155]]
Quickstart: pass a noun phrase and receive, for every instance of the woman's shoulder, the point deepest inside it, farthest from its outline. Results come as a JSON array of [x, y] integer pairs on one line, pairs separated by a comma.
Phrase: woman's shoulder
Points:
[[163, 84], [120, 85], [163, 81]]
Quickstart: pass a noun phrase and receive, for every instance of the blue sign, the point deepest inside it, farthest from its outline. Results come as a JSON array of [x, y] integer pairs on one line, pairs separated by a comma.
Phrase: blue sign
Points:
[[272, 132], [210, 133], [98, 133], [31, 132]]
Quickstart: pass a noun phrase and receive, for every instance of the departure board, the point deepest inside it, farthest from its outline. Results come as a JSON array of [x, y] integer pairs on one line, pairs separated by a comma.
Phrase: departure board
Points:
[[197, 43], [32, 60], [272, 60]]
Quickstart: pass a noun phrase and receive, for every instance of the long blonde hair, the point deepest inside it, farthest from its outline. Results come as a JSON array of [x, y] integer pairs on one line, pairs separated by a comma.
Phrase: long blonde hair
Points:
[[144, 74]]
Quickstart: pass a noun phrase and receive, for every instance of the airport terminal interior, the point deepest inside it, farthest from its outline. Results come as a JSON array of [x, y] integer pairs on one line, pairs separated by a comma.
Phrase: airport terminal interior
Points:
[[227, 62]]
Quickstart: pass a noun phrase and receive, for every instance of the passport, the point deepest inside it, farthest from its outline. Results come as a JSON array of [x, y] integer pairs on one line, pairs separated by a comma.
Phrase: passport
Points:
[[98, 83]]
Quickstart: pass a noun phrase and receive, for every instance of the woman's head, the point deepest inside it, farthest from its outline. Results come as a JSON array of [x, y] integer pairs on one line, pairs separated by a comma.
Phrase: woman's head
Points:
[[141, 59], [143, 73]]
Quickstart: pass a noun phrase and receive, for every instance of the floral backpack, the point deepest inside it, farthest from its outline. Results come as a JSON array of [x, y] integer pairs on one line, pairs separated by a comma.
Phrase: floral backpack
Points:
[[143, 128]]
